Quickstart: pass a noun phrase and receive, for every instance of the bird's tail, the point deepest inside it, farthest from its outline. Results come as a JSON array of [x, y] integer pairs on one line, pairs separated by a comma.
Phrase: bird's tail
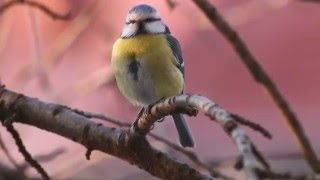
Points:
[[185, 136]]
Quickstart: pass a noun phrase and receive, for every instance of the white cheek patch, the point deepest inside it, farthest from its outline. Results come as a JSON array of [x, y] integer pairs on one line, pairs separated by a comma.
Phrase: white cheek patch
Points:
[[155, 27], [129, 30]]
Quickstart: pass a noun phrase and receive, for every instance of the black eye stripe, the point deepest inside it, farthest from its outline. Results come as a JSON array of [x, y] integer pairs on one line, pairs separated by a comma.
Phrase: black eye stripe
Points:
[[146, 20], [131, 22], [152, 19]]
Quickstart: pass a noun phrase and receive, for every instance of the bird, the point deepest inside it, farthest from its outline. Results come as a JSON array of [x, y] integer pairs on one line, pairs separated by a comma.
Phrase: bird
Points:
[[148, 65]]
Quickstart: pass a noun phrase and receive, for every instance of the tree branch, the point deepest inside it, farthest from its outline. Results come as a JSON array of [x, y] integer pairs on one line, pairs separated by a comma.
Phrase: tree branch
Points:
[[261, 77], [27, 156], [63, 121], [8, 154], [187, 103], [37, 5], [7, 5], [188, 153], [252, 125]]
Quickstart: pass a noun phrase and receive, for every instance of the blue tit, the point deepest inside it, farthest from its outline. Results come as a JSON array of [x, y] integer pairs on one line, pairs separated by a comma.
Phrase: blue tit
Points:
[[148, 65]]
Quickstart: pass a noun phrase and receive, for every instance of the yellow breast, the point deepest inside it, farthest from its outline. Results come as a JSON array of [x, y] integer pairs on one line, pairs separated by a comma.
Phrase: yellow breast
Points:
[[159, 75]]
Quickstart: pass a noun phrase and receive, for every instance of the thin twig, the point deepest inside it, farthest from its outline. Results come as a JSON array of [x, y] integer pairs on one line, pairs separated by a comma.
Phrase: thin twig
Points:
[[102, 117], [261, 77], [27, 156], [190, 154], [7, 153], [47, 10], [270, 155], [37, 5], [44, 157], [7, 5], [276, 175], [260, 157], [252, 125]]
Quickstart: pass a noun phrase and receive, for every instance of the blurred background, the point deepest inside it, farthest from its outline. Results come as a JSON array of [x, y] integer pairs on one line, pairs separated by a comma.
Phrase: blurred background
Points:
[[68, 62]]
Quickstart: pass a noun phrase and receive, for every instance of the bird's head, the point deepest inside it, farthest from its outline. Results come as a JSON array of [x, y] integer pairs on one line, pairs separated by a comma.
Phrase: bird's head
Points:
[[143, 19]]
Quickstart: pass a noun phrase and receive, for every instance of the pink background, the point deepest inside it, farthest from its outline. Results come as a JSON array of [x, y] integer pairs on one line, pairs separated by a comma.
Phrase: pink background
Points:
[[283, 35]]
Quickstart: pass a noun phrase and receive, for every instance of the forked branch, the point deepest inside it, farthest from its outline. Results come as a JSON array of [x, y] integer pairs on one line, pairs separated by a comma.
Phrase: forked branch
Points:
[[188, 103], [65, 122], [260, 75]]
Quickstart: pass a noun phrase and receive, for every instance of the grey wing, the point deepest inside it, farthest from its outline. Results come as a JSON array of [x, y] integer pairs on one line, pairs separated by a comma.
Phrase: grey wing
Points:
[[176, 50]]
